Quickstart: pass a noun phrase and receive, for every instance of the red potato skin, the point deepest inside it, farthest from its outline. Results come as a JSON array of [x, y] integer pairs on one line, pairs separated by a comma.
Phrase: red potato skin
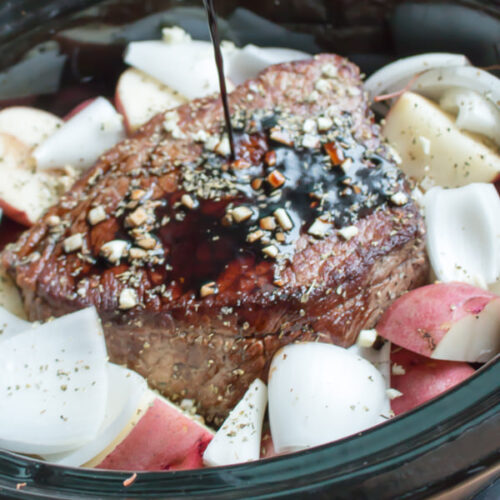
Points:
[[65, 101], [121, 109], [15, 214], [424, 378], [420, 319], [79, 108], [163, 439]]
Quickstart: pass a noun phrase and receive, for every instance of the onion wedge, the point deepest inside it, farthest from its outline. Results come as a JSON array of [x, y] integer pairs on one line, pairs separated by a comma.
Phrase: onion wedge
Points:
[[396, 76], [463, 233], [126, 391], [238, 439], [83, 138], [53, 385], [435, 82], [474, 112], [319, 393], [470, 93]]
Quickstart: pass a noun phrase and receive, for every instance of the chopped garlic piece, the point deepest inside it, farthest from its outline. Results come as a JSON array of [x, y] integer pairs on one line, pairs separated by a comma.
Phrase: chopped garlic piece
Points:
[[187, 201], [224, 147], [348, 232], [283, 219], [324, 123], [171, 124], [399, 199], [319, 228], [241, 214], [211, 142], [114, 250], [53, 220], [425, 144], [208, 289], [200, 136], [96, 215], [309, 126], [367, 338], [128, 298], [310, 141], [174, 35], [322, 85], [271, 251], [397, 369], [329, 70], [137, 217], [73, 243], [393, 393]]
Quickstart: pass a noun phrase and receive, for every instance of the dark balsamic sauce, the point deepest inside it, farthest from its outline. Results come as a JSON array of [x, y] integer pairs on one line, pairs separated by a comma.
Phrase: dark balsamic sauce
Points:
[[214, 34], [201, 247]]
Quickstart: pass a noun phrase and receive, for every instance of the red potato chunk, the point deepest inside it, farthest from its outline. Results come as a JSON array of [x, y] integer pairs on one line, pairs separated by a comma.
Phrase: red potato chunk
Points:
[[421, 379], [452, 321], [139, 97], [163, 439]]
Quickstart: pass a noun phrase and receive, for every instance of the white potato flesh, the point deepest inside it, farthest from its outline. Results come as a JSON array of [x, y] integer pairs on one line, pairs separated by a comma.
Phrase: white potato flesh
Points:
[[433, 149], [463, 233], [251, 60], [187, 67], [126, 391], [10, 298], [238, 440], [83, 138], [495, 287], [53, 385], [452, 321], [30, 125], [475, 338], [139, 97], [319, 393], [25, 194]]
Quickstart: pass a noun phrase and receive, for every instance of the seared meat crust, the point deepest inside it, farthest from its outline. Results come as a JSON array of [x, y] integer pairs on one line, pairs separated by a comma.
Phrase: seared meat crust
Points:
[[191, 301]]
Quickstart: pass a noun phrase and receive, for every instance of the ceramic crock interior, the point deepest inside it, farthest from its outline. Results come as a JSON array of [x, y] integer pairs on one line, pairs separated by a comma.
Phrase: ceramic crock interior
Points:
[[418, 454]]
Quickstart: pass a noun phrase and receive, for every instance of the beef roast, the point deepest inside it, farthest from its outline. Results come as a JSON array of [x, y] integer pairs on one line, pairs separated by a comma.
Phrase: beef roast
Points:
[[200, 266]]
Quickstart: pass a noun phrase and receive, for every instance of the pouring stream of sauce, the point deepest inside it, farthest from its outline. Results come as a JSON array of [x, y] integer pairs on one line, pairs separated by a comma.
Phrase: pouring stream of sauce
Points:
[[214, 34]]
